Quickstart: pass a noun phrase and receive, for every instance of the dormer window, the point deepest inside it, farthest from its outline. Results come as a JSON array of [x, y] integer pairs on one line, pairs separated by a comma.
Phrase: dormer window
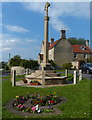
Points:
[[83, 47]]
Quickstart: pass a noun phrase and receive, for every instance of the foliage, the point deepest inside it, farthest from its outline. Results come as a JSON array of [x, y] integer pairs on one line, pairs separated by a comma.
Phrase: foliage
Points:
[[4, 65], [32, 64], [17, 61], [67, 65], [89, 60], [35, 102], [76, 41], [52, 63]]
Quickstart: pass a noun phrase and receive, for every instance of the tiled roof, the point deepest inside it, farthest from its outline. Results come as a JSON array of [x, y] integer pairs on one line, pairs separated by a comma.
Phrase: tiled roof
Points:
[[53, 44], [78, 49]]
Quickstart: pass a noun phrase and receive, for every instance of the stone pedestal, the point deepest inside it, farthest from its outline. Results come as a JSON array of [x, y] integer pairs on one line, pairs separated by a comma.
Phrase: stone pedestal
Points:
[[46, 77]]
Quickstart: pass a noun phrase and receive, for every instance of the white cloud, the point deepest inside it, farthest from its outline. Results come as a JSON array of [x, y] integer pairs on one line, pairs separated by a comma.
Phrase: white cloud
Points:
[[15, 28], [57, 10], [35, 6], [32, 40], [6, 49], [9, 41]]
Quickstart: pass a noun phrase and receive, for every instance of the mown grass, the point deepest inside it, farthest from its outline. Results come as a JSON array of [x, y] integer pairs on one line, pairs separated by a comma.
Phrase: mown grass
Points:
[[77, 105]]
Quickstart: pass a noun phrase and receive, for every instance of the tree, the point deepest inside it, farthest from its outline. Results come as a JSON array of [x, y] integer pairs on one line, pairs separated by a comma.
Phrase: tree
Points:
[[67, 65], [15, 61], [3, 65], [31, 64], [75, 41]]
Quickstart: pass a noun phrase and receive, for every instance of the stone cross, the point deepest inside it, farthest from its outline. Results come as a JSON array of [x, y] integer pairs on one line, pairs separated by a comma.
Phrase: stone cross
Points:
[[46, 19], [80, 75], [75, 77]]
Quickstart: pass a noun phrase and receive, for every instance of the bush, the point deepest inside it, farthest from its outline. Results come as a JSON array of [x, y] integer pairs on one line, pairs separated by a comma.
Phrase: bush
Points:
[[52, 63], [67, 65]]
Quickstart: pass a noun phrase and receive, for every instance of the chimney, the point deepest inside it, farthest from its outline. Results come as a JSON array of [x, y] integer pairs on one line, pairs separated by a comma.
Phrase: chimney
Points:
[[52, 40], [63, 34], [87, 43]]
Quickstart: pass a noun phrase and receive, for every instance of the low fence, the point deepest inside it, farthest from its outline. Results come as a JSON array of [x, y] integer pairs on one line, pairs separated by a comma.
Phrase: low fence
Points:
[[75, 76]]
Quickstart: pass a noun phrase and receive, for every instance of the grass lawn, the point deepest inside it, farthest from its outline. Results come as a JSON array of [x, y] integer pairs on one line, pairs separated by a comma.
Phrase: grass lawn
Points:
[[77, 105]]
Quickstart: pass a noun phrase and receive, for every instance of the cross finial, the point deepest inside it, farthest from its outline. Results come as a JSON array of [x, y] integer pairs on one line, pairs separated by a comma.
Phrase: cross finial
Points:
[[46, 7]]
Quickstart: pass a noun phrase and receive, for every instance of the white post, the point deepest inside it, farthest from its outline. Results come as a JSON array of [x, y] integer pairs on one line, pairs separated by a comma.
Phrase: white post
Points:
[[66, 72], [75, 77], [80, 75], [14, 78]]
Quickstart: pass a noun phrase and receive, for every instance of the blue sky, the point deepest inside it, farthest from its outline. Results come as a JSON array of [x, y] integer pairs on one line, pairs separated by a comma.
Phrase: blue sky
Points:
[[23, 25]]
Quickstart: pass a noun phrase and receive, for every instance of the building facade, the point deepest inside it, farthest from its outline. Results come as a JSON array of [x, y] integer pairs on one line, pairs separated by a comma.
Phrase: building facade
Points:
[[61, 52]]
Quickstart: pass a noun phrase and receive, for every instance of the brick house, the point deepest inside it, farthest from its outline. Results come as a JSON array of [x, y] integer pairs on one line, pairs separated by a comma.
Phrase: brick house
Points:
[[61, 52]]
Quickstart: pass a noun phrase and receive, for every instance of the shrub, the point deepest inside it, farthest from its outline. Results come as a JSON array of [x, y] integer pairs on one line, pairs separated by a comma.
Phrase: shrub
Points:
[[67, 65]]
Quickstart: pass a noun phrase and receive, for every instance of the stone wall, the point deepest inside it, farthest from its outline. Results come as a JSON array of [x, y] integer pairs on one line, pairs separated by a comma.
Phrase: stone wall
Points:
[[19, 70], [75, 64], [51, 54], [63, 52]]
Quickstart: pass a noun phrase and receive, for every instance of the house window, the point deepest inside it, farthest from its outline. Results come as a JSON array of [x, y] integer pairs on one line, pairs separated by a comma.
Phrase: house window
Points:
[[83, 47], [75, 55], [85, 56]]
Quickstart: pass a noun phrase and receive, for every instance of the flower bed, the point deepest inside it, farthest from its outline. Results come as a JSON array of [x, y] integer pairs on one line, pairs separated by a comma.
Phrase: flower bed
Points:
[[34, 83], [37, 103]]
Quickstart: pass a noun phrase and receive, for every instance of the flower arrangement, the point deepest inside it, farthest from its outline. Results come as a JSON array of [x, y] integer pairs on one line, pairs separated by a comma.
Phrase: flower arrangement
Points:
[[38, 104], [34, 82], [24, 80]]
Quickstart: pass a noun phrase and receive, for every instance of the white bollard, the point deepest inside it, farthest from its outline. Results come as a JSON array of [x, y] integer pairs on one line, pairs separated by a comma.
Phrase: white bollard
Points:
[[66, 72], [75, 77], [80, 75], [14, 78]]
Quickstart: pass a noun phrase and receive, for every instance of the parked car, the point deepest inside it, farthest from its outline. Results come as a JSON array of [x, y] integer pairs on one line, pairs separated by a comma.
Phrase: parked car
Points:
[[87, 68]]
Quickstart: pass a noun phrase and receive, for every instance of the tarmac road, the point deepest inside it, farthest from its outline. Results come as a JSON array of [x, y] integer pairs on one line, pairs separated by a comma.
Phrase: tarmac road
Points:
[[88, 76]]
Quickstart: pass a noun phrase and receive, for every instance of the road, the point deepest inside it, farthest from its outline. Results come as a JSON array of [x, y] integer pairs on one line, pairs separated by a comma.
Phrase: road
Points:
[[88, 76]]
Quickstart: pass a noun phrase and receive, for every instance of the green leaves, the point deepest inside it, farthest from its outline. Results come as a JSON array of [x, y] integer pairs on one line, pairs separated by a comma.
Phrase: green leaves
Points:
[[76, 41]]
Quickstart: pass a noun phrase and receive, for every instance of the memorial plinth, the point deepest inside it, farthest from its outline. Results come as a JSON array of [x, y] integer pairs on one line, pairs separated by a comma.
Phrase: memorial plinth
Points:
[[50, 77]]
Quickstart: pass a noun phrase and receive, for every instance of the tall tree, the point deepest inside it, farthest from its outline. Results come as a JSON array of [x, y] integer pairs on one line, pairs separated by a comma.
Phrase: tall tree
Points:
[[77, 41], [15, 61]]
